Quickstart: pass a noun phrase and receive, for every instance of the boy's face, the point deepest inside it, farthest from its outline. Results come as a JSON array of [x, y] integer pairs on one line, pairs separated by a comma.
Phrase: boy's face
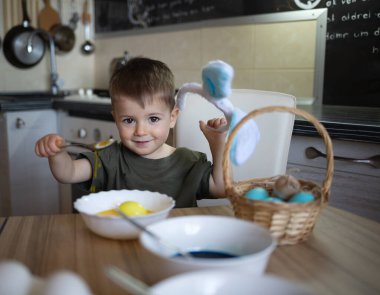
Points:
[[144, 130]]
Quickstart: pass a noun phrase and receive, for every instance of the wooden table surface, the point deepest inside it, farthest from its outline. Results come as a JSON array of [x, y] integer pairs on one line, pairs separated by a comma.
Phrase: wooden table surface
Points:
[[342, 256]]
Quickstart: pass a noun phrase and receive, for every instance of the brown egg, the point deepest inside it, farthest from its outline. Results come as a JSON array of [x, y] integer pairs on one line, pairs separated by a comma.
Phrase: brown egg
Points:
[[286, 186]]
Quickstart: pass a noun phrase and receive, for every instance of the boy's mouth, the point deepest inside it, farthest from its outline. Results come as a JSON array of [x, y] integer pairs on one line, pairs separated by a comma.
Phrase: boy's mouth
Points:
[[141, 142]]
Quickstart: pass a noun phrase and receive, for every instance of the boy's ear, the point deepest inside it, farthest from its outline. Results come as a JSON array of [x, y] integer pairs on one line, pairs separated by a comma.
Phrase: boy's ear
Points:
[[173, 117]]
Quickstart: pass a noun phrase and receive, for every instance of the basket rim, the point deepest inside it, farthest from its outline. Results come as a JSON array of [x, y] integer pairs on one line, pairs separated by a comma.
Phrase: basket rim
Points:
[[226, 163]]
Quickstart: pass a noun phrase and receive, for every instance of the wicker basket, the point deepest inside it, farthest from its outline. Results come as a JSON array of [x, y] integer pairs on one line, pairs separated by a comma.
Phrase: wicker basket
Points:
[[289, 223]]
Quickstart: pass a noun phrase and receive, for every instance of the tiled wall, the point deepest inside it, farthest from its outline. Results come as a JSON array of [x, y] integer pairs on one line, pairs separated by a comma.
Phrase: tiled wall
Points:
[[277, 57]]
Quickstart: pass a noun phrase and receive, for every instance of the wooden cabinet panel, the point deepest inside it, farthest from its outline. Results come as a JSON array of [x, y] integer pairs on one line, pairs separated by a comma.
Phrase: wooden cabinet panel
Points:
[[356, 193], [343, 148], [355, 187]]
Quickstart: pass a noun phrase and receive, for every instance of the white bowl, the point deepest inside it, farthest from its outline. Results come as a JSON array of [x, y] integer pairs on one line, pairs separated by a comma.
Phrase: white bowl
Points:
[[115, 227], [226, 282], [251, 243]]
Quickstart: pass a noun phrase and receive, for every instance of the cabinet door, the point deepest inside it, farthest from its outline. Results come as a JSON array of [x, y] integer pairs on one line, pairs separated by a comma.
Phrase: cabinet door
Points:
[[355, 186], [33, 188]]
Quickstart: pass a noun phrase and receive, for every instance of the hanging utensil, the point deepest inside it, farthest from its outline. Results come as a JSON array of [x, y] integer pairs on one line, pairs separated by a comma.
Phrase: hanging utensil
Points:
[[74, 16], [48, 17], [16, 40], [87, 47], [64, 38], [63, 35], [119, 62]]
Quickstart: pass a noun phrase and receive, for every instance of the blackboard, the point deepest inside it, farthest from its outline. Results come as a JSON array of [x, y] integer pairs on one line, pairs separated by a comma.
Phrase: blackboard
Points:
[[352, 58], [116, 15]]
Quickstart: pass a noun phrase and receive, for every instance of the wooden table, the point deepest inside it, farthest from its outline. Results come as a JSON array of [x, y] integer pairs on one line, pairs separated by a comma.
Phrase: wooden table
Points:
[[341, 257]]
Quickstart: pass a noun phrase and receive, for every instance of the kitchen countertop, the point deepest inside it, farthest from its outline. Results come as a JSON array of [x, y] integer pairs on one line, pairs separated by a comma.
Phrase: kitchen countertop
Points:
[[342, 122], [19, 101]]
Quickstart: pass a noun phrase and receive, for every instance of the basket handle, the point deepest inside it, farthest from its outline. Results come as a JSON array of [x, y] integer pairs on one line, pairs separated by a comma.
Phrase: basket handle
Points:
[[228, 182]]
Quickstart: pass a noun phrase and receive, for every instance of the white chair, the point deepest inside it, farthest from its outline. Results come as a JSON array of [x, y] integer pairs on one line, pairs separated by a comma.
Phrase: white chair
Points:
[[271, 153]]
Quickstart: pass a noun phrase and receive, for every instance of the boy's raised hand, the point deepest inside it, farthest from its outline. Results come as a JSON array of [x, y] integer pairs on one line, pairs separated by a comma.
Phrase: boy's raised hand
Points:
[[215, 130], [49, 145]]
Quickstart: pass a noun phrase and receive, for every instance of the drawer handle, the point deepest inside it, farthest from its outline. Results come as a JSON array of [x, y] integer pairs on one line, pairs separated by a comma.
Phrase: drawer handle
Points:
[[312, 153], [20, 123]]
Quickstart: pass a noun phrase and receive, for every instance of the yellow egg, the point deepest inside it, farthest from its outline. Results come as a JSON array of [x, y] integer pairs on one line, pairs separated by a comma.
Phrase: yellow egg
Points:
[[131, 208], [110, 212]]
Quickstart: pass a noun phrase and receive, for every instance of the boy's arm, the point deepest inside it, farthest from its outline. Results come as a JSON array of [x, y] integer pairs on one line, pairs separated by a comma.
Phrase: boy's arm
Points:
[[216, 136], [62, 166]]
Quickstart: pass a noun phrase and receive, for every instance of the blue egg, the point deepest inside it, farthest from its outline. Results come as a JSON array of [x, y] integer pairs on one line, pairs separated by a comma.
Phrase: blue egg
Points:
[[257, 193], [301, 197], [274, 199]]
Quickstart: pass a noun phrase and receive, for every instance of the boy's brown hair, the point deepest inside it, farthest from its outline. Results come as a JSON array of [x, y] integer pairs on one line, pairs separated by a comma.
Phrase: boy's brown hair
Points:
[[141, 79]]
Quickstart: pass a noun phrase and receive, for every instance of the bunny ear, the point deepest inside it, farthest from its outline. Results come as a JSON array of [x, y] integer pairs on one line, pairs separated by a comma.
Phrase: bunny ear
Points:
[[217, 79], [188, 87], [246, 139]]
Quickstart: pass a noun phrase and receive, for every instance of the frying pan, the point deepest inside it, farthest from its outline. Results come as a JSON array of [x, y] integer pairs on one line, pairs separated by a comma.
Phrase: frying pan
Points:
[[15, 44]]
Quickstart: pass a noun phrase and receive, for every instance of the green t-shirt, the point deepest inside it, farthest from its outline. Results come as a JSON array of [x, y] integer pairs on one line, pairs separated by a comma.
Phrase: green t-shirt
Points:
[[184, 175]]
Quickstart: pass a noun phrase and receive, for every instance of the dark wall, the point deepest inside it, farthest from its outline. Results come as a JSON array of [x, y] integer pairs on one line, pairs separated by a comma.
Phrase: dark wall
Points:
[[352, 60]]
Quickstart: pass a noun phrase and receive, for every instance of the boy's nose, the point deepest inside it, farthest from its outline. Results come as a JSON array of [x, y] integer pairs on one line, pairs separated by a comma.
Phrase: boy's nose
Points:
[[140, 129]]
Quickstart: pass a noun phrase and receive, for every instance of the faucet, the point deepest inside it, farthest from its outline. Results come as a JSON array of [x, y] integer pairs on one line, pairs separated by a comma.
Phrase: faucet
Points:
[[53, 66]]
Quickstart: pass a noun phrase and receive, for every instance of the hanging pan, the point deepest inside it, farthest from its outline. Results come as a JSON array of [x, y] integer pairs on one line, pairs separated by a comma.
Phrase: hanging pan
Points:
[[63, 35], [64, 38], [16, 41]]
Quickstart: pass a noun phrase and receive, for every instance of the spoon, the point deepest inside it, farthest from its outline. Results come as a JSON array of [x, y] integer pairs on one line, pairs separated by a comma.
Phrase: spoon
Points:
[[93, 146], [158, 239], [126, 281], [312, 153]]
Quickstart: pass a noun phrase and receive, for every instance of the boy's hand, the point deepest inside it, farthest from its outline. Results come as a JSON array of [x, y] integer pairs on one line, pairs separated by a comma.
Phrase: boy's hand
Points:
[[215, 130], [49, 145]]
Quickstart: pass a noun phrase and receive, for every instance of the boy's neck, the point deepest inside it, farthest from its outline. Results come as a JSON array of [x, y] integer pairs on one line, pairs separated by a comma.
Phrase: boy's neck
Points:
[[165, 151]]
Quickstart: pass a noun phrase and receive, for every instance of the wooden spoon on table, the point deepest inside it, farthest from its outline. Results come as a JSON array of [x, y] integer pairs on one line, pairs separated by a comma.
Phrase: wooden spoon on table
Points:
[[48, 17]]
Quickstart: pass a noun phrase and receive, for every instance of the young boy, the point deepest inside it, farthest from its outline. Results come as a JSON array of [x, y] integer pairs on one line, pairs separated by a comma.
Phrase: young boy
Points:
[[143, 107]]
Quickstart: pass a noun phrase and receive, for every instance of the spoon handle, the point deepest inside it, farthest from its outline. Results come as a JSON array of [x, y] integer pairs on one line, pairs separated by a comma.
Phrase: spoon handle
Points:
[[154, 236], [78, 144], [312, 153], [126, 281]]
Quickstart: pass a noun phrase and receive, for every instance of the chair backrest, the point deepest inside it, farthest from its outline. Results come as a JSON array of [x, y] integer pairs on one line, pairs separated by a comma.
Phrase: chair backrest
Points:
[[271, 153]]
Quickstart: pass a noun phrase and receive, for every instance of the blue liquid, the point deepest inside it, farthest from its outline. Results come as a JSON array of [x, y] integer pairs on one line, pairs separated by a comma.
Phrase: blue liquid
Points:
[[208, 254]]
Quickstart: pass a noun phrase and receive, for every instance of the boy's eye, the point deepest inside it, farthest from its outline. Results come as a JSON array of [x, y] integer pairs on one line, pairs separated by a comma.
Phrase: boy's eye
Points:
[[154, 119], [128, 120]]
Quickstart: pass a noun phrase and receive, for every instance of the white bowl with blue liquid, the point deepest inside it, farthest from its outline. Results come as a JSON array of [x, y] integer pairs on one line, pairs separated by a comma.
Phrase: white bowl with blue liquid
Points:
[[215, 242]]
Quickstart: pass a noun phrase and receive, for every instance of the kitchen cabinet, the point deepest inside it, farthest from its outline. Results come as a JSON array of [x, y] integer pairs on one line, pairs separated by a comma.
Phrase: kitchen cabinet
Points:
[[355, 186], [27, 186]]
